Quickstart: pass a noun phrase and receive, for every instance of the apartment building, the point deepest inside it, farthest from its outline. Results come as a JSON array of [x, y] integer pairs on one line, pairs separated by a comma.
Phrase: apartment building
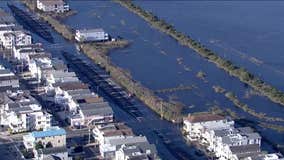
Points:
[[21, 112], [49, 143], [88, 35], [8, 80], [58, 6], [15, 38], [196, 124]]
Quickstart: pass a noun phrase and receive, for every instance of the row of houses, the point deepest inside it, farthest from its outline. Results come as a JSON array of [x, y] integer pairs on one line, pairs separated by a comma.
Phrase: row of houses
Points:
[[62, 92], [220, 137], [63, 88]]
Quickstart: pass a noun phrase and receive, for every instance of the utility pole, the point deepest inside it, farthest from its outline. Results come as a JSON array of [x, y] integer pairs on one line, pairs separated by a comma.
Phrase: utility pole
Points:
[[162, 111], [89, 135]]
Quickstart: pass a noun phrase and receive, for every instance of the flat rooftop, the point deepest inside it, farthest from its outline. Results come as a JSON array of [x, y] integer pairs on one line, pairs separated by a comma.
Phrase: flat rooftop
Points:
[[53, 131], [71, 85]]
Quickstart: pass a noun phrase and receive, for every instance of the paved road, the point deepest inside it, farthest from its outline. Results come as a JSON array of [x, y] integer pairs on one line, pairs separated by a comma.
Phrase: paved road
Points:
[[9, 149]]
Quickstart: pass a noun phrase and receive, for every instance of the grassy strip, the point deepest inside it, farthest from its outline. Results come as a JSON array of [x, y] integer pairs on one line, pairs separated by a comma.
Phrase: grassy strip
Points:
[[234, 99], [242, 74], [275, 127], [246, 108], [98, 53]]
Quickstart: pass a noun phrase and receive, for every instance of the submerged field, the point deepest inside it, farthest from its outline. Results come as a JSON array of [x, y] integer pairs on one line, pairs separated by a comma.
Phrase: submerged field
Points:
[[160, 63]]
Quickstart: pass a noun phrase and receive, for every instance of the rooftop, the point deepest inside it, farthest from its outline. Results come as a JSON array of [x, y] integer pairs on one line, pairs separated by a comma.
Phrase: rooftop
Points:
[[71, 85], [52, 2], [52, 131], [91, 30], [11, 28], [113, 129], [93, 111], [245, 149], [128, 140]]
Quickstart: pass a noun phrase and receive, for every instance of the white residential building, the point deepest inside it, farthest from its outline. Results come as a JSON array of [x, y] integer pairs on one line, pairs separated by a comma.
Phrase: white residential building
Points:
[[51, 142], [8, 80], [58, 6], [224, 139], [88, 35], [82, 107], [53, 135], [38, 64], [196, 125], [104, 132], [53, 153], [23, 113], [15, 38], [241, 152], [58, 76], [108, 149], [24, 52], [265, 156], [142, 151]]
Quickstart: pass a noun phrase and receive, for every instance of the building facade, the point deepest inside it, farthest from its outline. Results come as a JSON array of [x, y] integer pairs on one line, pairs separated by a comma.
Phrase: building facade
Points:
[[58, 6]]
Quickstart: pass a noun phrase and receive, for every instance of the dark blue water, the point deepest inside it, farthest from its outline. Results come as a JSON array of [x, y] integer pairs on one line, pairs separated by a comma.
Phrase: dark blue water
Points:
[[239, 31], [152, 56]]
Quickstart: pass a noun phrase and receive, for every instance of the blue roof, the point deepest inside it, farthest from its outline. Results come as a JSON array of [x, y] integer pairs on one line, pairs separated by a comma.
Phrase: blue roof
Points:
[[49, 132]]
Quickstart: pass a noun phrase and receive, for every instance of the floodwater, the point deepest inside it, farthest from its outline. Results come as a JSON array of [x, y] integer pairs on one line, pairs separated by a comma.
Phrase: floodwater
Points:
[[159, 62], [247, 34]]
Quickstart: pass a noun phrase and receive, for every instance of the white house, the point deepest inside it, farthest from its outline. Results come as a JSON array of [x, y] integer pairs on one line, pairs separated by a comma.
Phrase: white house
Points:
[[104, 132], [16, 38], [266, 156], [58, 76], [88, 35], [195, 125], [38, 65], [23, 113], [24, 52], [53, 135], [49, 143], [8, 79], [143, 151], [221, 139], [241, 152], [58, 6], [108, 149], [82, 107], [52, 153]]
